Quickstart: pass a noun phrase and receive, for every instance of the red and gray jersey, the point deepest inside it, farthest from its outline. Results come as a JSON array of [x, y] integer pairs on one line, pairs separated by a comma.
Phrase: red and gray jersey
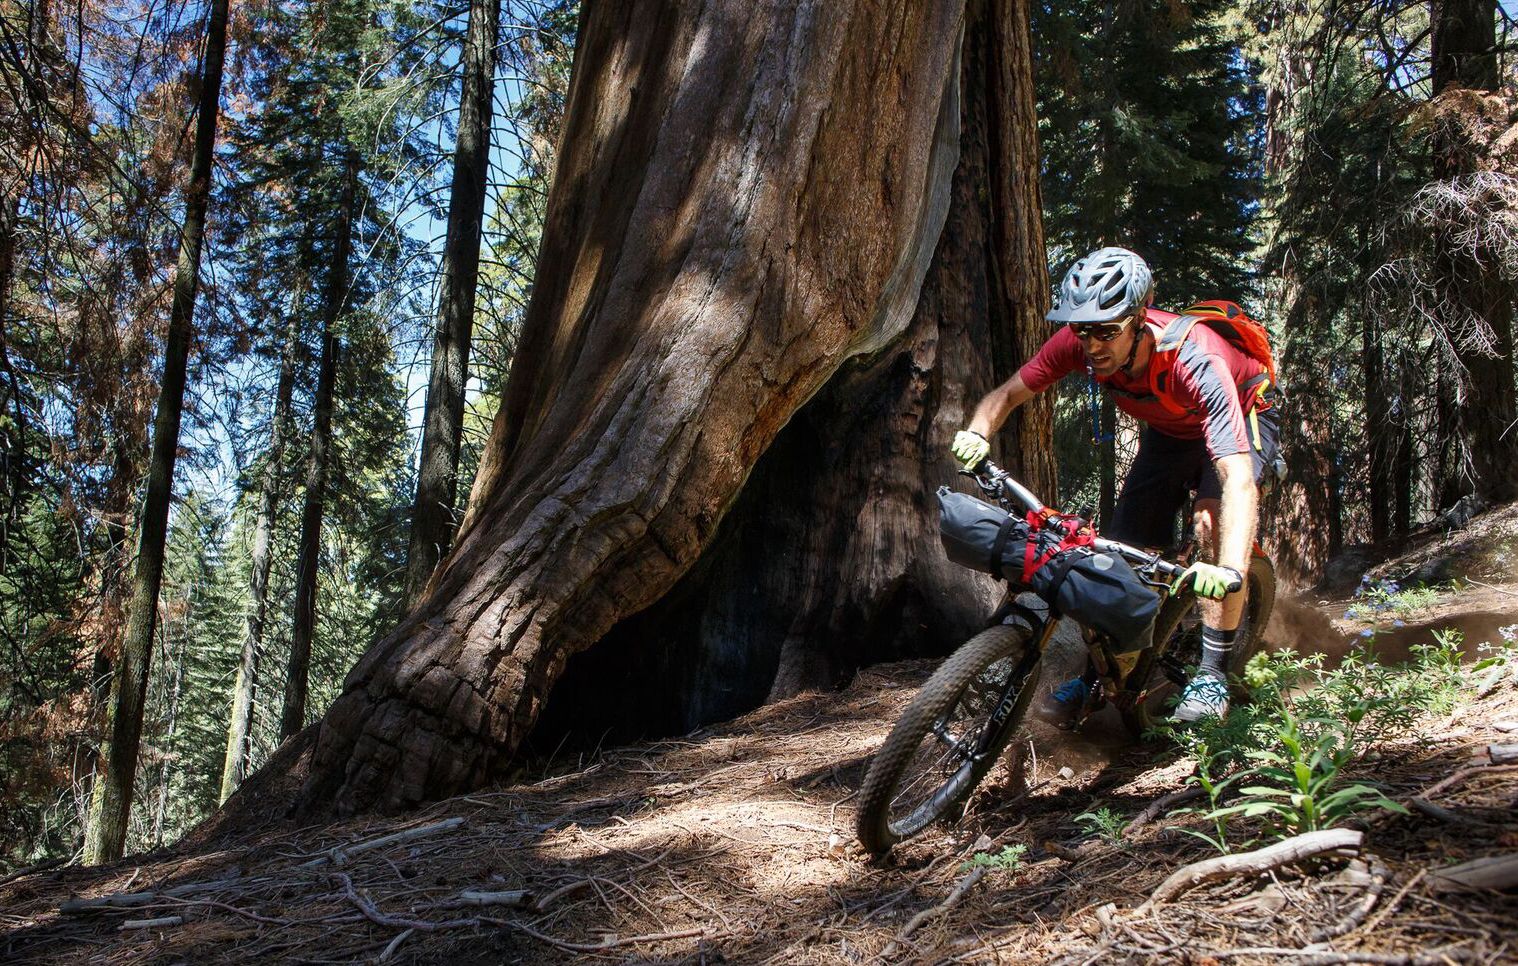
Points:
[[1205, 401]]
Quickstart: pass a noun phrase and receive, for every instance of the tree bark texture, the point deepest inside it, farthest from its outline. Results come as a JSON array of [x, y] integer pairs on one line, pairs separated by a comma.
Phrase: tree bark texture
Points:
[[111, 803], [432, 515], [1308, 507], [830, 559], [1473, 292], [1378, 439], [293, 716], [748, 197], [244, 687], [1016, 205]]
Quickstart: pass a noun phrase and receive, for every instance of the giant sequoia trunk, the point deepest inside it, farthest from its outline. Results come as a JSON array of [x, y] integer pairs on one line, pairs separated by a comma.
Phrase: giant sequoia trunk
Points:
[[830, 557], [747, 200]]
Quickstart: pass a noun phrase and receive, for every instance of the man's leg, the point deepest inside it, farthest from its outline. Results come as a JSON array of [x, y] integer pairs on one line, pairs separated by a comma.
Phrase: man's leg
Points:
[[1224, 614], [1144, 516], [1207, 694]]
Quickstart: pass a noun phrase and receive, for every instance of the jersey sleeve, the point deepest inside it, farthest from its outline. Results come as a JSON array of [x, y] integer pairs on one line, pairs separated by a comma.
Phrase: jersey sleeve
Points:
[[1059, 356], [1203, 382]]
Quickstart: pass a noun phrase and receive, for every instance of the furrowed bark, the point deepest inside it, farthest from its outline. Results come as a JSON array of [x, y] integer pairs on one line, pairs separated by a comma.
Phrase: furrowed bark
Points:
[[111, 803], [830, 558], [432, 516], [1472, 287], [748, 196]]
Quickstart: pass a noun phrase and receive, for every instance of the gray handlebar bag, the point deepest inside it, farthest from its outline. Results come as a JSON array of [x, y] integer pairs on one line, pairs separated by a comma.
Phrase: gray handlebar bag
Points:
[[1099, 590]]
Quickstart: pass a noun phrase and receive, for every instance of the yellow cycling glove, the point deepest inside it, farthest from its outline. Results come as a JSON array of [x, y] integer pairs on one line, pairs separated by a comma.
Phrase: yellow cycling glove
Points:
[[1210, 580], [969, 447]]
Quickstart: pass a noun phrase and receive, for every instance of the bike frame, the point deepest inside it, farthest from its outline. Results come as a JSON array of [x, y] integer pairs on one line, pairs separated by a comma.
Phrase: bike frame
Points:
[[1151, 567]]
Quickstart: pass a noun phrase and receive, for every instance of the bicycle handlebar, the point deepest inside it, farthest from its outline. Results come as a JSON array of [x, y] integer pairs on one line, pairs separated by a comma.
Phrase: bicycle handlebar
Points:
[[995, 477]]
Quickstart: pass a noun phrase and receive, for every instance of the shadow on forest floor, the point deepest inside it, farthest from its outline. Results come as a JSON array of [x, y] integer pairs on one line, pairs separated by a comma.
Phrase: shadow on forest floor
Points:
[[736, 844]]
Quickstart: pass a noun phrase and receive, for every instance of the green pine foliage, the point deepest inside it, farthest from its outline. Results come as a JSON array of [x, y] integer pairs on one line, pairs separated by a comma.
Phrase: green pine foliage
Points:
[[1147, 112], [1148, 124]]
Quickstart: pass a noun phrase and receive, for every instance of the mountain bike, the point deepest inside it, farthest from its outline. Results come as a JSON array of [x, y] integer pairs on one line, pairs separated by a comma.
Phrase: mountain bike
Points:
[[968, 711]]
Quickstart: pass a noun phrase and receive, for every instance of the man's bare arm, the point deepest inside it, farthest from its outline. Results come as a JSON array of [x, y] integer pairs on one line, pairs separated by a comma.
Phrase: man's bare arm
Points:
[[998, 405], [1236, 517]]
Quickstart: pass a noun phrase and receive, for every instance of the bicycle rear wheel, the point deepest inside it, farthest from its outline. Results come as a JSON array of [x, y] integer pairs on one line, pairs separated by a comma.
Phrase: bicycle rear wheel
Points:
[[948, 737], [1166, 668]]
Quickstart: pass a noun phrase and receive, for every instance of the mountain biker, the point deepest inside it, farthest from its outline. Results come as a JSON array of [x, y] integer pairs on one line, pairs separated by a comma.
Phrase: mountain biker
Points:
[[1214, 431]]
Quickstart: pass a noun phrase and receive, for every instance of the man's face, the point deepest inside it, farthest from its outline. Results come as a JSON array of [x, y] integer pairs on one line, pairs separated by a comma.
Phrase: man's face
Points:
[[1106, 344]]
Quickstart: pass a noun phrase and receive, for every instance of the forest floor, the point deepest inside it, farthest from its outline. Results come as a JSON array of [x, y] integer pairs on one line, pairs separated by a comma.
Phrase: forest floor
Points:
[[736, 844]]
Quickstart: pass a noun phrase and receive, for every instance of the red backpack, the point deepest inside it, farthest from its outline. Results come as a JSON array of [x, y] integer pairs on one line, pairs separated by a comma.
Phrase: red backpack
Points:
[[1228, 321]]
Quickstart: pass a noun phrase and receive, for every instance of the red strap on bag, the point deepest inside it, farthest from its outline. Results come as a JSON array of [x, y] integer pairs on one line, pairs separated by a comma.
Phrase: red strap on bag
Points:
[[1077, 534]]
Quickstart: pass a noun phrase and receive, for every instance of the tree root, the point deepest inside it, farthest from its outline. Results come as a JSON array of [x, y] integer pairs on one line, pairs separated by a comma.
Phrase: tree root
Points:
[[1496, 872], [1362, 908], [1252, 863], [963, 886], [1159, 807]]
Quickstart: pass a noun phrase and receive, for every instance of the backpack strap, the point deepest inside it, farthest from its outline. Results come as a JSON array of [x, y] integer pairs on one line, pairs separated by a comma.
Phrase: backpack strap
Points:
[[1174, 335]]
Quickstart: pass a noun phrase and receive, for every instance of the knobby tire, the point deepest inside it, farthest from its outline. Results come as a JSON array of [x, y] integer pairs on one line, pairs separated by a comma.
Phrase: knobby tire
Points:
[[947, 692]]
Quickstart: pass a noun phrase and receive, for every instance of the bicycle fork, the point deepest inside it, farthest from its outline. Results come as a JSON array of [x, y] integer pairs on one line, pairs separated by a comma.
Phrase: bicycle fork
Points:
[[1018, 691]]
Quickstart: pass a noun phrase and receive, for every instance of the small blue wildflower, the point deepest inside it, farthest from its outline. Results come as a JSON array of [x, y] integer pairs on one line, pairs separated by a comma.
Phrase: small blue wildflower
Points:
[[1368, 632], [1351, 612], [1399, 623]]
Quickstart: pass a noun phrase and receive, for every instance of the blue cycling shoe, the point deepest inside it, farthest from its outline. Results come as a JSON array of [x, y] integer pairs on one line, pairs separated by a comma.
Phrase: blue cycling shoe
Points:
[[1062, 706]]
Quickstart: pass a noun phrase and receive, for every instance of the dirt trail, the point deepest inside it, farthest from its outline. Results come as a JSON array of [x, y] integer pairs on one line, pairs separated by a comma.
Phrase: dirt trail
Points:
[[735, 845]]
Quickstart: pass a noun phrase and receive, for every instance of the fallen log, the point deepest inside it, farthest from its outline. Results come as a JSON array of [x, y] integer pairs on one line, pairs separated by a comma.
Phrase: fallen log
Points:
[[339, 855], [516, 898], [120, 900], [1502, 754], [1294, 849], [1494, 872], [162, 922]]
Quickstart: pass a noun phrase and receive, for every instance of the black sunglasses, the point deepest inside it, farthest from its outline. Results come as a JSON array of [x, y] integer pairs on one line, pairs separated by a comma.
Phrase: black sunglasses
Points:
[[1100, 331]]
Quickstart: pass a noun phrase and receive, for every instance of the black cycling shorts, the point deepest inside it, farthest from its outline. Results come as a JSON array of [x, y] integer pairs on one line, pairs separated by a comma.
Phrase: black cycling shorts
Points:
[[1167, 469]]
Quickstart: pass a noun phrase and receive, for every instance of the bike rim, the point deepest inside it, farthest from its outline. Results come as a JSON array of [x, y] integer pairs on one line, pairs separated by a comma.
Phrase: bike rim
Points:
[[944, 766]]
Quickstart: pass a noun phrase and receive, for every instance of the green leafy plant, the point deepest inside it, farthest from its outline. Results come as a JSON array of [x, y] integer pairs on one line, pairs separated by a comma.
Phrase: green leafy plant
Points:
[[1281, 759], [1300, 786], [1102, 822], [1497, 660], [1009, 859], [1380, 599]]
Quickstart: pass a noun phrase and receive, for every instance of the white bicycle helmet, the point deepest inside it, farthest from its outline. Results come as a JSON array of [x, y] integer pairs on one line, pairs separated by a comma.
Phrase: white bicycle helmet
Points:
[[1106, 285]]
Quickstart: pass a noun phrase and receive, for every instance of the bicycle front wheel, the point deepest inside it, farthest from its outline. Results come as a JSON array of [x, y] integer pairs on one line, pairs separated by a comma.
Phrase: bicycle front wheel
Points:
[[948, 737]]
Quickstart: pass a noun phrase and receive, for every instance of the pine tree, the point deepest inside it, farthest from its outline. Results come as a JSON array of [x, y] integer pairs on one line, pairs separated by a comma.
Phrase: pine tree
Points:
[[112, 797], [1147, 112]]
